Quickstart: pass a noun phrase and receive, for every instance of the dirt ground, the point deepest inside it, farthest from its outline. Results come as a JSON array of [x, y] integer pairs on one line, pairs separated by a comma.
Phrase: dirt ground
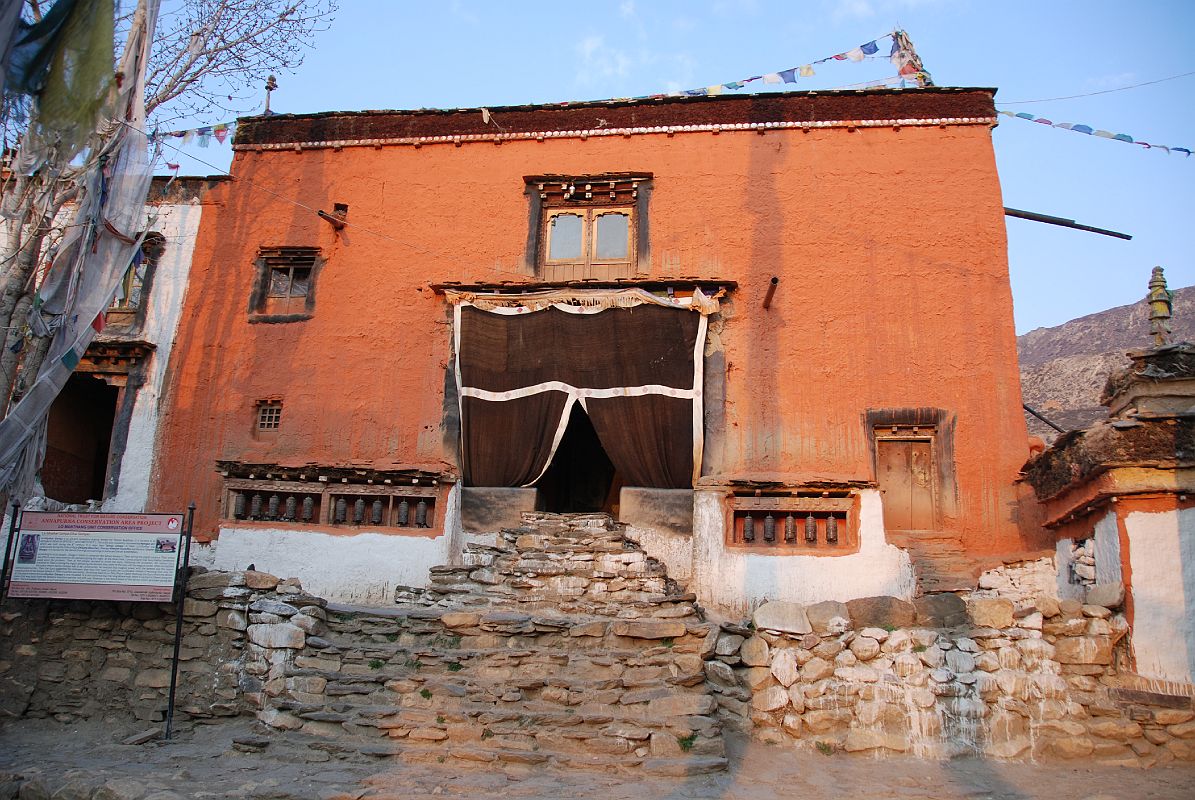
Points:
[[77, 761]]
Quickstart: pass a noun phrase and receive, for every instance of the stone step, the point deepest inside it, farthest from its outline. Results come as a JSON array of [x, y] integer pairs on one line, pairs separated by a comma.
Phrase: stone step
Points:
[[562, 642]]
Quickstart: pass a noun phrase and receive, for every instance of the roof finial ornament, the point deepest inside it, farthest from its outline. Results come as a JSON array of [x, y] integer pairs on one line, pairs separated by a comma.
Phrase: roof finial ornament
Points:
[[1161, 301], [271, 85]]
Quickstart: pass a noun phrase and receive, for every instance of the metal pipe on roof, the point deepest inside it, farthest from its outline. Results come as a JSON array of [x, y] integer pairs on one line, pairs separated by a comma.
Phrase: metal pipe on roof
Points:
[[767, 298], [1065, 223]]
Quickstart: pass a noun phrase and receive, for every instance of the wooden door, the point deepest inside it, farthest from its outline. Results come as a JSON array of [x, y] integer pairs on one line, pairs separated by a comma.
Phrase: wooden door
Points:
[[905, 471]]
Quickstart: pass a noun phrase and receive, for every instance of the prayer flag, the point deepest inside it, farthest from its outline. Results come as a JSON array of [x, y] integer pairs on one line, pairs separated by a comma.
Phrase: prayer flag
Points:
[[1082, 129], [98, 322], [840, 57], [70, 359], [870, 48], [715, 89], [790, 75], [807, 71], [772, 77], [856, 54]]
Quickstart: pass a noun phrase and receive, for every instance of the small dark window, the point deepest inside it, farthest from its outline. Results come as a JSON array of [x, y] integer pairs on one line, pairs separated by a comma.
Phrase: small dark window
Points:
[[269, 416], [285, 290]]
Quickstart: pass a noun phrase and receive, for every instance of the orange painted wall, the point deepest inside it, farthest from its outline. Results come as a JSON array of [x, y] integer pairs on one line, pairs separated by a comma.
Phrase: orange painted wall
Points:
[[890, 246]]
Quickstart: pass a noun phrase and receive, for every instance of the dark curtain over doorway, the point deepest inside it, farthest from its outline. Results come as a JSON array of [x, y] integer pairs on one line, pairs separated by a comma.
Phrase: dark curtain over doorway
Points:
[[527, 368]]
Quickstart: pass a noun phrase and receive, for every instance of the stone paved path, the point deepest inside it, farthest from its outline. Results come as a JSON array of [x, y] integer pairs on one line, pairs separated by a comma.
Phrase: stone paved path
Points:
[[76, 762]]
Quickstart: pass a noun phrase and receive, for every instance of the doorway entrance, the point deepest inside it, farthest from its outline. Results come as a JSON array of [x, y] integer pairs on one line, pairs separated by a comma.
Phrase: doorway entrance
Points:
[[78, 438], [581, 477]]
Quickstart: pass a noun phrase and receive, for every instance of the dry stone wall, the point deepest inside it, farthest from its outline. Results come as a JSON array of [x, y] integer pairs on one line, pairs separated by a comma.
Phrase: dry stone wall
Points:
[[1031, 680], [111, 660]]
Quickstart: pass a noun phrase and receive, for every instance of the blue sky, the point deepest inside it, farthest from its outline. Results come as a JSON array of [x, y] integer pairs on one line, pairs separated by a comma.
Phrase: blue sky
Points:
[[467, 53]]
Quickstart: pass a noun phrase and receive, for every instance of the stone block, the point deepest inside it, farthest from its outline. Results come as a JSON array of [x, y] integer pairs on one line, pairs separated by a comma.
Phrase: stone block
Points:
[[755, 678], [719, 673], [1108, 595], [828, 617], [199, 608], [865, 648], [306, 624], [649, 629], [665, 510], [755, 652], [783, 617], [1173, 716], [816, 669], [858, 740], [1083, 650], [943, 610], [487, 509], [785, 668], [268, 606], [990, 612], [460, 619], [771, 699], [882, 612], [1121, 730], [595, 628], [261, 581], [279, 720], [279, 635], [209, 580], [153, 678], [682, 705], [231, 618], [728, 644], [116, 674]]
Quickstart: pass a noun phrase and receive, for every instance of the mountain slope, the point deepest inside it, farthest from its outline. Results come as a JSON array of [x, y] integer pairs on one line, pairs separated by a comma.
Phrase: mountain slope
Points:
[[1063, 369]]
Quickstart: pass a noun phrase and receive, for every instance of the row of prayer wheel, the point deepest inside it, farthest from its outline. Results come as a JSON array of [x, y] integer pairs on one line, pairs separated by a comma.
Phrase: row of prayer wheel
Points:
[[766, 528]]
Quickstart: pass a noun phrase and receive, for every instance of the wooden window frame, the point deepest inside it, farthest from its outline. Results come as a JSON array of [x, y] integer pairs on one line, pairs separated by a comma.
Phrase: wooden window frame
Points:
[[264, 304], [269, 416], [590, 197], [325, 495], [801, 502]]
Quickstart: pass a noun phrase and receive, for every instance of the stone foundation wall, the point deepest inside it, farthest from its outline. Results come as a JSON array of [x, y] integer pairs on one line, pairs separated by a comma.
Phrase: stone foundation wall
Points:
[[73, 660], [1031, 680]]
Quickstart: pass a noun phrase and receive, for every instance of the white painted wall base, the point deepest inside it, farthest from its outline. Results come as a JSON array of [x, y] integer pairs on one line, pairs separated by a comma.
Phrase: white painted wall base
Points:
[[362, 568], [733, 583], [674, 550], [1162, 557]]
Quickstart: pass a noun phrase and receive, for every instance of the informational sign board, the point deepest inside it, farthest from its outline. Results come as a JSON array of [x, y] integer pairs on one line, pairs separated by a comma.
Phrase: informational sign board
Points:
[[97, 556]]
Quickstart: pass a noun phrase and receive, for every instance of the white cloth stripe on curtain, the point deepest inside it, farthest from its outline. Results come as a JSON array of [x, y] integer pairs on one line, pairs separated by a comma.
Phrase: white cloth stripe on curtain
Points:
[[573, 391]]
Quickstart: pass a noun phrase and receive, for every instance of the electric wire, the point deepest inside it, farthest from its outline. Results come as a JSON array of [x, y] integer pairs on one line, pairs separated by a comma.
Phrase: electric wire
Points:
[[1092, 94]]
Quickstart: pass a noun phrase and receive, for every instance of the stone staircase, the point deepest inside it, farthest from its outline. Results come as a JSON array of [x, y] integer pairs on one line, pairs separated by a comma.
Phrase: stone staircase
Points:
[[939, 562], [559, 643]]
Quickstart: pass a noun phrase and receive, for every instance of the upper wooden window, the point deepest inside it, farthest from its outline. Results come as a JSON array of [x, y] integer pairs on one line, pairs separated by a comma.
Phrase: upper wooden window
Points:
[[285, 286], [589, 227]]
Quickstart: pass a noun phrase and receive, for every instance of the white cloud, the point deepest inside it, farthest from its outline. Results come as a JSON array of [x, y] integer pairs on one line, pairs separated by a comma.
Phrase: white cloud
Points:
[[626, 9], [599, 61], [465, 15], [1111, 81]]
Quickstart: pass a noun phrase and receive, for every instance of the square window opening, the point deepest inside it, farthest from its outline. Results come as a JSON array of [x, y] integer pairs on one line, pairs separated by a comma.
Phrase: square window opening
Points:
[[269, 416]]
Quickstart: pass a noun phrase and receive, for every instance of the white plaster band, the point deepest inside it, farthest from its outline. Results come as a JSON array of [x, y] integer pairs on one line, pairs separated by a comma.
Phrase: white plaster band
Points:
[[583, 134]]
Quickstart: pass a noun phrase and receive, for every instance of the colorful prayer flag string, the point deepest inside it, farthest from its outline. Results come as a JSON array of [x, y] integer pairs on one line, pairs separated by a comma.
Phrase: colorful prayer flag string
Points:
[[205, 133], [902, 55], [1090, 131]]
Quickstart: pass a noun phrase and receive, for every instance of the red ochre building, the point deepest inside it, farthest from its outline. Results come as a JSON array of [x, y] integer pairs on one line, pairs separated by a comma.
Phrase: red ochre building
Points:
[[773, 333]]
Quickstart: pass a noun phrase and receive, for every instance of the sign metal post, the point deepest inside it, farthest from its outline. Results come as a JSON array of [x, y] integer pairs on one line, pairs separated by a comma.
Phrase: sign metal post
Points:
[[180, 589]]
